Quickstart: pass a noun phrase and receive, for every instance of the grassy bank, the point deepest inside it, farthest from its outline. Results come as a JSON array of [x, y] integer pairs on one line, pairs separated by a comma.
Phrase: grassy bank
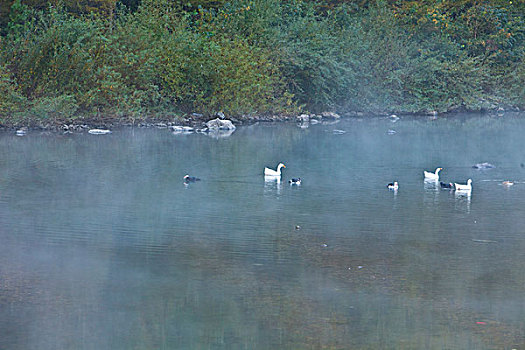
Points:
[[259, 57]]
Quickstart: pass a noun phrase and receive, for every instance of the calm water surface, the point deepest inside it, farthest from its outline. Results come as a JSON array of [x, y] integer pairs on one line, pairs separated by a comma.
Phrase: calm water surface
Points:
[[103, 247]]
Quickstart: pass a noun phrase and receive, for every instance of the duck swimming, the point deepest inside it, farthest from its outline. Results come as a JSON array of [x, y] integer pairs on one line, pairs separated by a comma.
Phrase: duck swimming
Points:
[[446, 185], [188, 178], [271, 172], [393, 186], [432, 176], [295, 181]]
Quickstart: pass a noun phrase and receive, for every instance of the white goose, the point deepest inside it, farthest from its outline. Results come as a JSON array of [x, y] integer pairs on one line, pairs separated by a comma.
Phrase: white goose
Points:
[[461, 187], [432, 176], [271, 172]]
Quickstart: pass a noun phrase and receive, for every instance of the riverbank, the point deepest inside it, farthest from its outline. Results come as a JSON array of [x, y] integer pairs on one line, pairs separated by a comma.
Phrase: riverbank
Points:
[[197, 121], [194, 120]]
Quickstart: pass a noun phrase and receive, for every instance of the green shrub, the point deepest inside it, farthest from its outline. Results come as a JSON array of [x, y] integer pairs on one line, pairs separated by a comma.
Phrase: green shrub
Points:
[[516, 84], [303, 44], [54, 109], [262, 56], [12, 102], [199, 68]]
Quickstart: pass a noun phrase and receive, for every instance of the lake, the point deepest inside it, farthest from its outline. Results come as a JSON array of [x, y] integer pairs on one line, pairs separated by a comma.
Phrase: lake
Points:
[[104, 247]]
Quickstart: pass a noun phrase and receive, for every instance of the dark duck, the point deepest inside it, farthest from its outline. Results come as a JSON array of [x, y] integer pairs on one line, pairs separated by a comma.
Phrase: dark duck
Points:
[[295, 181], [188, 179], [393, 186], [447, 185]]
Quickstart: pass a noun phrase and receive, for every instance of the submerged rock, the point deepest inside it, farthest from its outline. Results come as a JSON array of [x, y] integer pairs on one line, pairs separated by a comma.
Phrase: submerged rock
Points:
[[330, 115], [331, 122], [219, 124], [99, 131], [484, 165], [303, 118], [21, 131], [219, 134], [179, 129]]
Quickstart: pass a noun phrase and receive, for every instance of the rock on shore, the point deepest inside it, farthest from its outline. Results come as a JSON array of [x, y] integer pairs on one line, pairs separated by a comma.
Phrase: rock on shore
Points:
[[220, 124]]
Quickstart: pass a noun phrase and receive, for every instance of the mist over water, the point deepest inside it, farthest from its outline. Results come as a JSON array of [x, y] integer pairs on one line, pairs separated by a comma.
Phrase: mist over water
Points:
[[104, 247]]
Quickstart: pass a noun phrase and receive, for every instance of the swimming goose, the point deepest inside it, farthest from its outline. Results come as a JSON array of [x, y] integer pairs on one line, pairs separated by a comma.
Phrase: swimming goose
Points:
[[295, 181], [271, 172], [393, 186], [432, 176], [188, 178], [461, 187]]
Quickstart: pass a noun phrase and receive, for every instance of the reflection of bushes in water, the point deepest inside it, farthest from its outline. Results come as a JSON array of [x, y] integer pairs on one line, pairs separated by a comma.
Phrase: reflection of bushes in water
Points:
[[213, 276], [220, 292], [384, 275], [18, 287]]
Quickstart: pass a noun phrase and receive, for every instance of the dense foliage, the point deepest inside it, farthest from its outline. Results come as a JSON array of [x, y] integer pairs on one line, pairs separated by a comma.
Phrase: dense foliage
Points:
[[162, 58]]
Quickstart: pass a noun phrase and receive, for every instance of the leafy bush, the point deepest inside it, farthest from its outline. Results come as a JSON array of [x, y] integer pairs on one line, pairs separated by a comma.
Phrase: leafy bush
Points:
[[261, 56], [516, 84], [304, 45], [12, 102], [55, 109], [198, 68]]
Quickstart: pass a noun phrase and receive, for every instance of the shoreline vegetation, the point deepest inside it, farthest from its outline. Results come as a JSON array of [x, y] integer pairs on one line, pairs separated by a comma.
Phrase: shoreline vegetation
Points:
[[107, 62]]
